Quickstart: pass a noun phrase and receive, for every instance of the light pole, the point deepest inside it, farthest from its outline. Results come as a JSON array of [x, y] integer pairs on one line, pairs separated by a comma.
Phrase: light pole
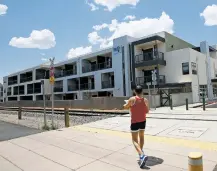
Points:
[[52, 79]]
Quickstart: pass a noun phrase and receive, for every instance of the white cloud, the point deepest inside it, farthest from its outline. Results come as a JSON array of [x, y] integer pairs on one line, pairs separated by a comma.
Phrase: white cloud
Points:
[[112, 4], [42, 39], [93, 6], [130, 17], [3, 9], [42, 54], [94, 38], [135, 28], [210, 15], [100, 27], [44, 59], [79, 51]]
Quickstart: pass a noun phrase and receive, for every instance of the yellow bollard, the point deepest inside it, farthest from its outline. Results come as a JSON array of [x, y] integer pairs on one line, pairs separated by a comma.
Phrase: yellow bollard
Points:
[[195, 162]]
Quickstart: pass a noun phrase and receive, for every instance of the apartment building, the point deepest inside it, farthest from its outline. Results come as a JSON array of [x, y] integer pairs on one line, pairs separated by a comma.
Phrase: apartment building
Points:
[[180, 68], [1, 92]]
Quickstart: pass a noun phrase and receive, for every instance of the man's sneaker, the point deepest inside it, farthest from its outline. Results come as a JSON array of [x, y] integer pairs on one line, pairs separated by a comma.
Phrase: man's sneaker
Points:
[[143, 161]]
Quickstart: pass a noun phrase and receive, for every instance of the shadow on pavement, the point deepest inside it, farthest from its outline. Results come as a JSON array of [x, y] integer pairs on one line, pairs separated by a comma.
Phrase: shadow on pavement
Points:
[[152, 161]]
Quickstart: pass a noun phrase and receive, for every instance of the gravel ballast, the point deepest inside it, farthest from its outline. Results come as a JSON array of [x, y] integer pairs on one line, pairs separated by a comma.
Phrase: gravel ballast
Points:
[[36, 120]]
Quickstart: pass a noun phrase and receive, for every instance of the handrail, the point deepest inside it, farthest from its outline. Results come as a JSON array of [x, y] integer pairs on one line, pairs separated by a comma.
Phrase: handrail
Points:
[[149, 56]]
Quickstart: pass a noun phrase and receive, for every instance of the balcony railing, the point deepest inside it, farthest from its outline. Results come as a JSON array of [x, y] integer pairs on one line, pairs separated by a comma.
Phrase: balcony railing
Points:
[[107, 84], [58, 89], [9, 93], [70, 72], [149, 56], [11, 82], [148, 79], [42, 76], [25, 79], [86, 86], [96, 67], [30, 91], [16, 92], [73, 88], [21, 92], [64, 73]]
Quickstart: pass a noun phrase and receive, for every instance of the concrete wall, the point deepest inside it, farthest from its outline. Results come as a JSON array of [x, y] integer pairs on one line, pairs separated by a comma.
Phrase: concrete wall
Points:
[[104, 103], [175, 43], [173, 68]]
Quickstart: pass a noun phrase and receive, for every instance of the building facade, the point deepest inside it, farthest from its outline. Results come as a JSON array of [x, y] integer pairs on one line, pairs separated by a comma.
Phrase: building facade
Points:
[[1, 92], [180, 68]]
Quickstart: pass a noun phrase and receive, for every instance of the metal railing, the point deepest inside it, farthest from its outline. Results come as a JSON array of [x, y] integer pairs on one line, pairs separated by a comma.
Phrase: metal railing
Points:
[[65, 73], [149, 56], [11, 82], [108, 84], [87, 86], [58, 89], [148, 79], [9, 93], [96, 67], [73, 88], [21, 92], [25, 79]]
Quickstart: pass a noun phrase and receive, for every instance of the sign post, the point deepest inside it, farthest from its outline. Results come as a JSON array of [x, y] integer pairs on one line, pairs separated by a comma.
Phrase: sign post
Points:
[[52, 80], [154, 79], [45, 119], [149, 93]]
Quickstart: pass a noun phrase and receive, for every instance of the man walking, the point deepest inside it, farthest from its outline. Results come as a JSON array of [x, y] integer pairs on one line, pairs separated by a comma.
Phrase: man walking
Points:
[[138, 107]]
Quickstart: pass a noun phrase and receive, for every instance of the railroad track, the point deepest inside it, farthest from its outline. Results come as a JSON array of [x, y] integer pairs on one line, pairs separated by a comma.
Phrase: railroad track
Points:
[[61, 111]]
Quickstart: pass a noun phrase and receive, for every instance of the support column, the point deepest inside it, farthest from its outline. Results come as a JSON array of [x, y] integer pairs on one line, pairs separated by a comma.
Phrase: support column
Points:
[[204, 48]]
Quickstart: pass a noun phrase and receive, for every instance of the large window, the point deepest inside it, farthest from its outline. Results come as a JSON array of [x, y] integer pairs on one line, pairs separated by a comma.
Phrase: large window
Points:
[[194, 68], [185, 68]]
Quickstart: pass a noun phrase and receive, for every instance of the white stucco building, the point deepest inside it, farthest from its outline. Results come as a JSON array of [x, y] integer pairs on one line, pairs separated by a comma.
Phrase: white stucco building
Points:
[[181, 68], [1, 92]]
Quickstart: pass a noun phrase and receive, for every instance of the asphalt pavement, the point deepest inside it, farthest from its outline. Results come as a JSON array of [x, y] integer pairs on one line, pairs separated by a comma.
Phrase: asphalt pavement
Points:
[[10, 131]]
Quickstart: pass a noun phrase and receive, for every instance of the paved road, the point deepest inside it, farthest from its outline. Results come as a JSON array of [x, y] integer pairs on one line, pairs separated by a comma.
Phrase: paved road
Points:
[[10, 131]]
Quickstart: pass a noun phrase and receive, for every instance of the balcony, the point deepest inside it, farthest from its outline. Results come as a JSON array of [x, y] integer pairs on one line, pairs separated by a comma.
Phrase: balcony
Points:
[[73, 88], [149, 59], [58, 89], [107, 84], [86, 86], [70, 72], [96, 67], [11, 82], [148, 79], [25, 79]]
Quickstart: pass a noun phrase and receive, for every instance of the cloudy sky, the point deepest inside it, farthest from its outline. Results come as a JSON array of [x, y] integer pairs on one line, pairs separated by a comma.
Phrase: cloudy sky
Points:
[[32, 31]]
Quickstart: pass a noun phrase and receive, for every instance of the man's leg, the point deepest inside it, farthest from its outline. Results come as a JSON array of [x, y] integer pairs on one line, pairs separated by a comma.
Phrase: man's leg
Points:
[[136, 143], [141, 138]]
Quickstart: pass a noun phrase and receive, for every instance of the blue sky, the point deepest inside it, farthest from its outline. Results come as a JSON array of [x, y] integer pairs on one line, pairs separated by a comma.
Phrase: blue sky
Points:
[[64, 25]]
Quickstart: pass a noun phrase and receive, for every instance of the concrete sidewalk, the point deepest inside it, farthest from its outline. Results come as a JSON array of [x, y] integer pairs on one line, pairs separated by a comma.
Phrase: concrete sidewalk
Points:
[[99, 146]]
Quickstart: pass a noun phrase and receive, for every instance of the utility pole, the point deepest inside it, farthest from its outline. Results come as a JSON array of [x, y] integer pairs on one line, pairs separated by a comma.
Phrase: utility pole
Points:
[[52, 80]]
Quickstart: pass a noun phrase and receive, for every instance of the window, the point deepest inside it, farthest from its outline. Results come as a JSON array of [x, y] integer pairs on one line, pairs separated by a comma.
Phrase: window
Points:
[[185, 68], [194, 68]]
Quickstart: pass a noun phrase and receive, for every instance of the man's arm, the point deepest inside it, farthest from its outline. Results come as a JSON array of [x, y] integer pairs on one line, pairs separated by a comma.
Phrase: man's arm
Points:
[[147, 104], [128, 104]]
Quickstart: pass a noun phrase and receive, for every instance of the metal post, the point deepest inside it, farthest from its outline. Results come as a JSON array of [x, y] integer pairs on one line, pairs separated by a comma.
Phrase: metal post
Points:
[[154, 98], [67, 124], [45, 119], [204, 107], [171, 102], [186, 104], [52, 86], [20, 113], [149, 93]]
